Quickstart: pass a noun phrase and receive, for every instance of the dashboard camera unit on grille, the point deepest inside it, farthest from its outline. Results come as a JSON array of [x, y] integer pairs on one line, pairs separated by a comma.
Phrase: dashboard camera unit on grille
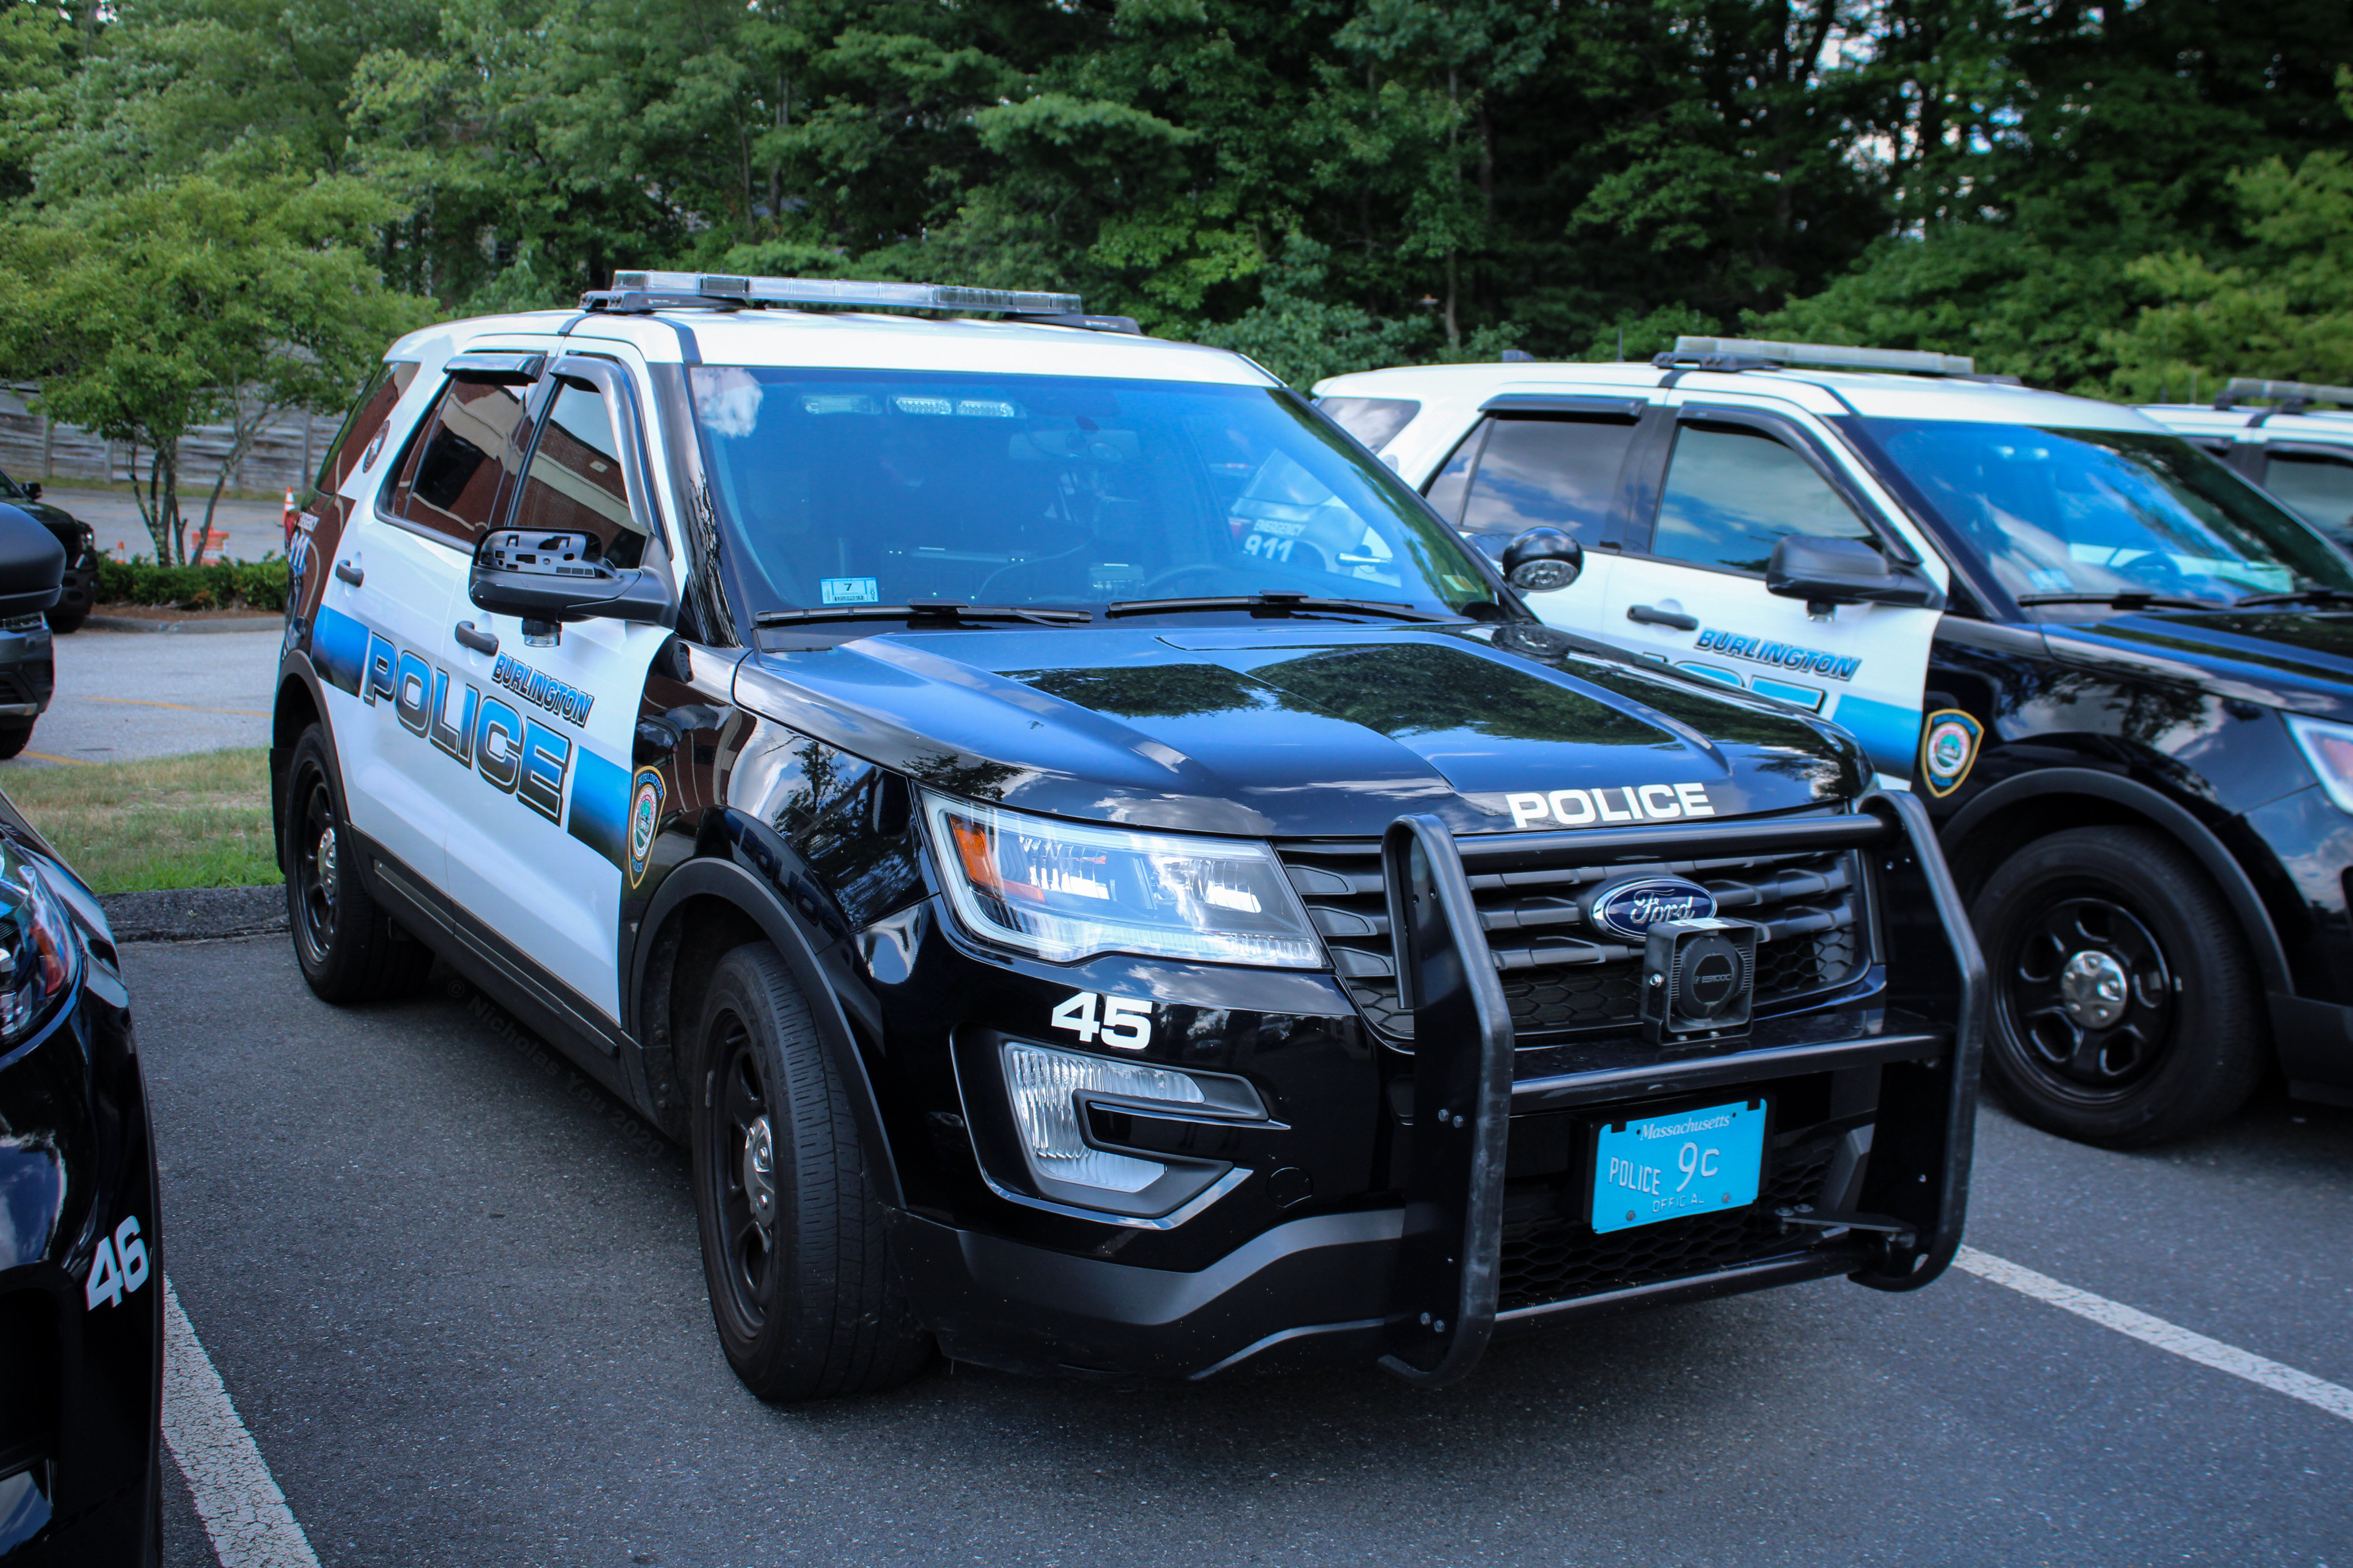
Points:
[[1100, 878], [1698, 976]]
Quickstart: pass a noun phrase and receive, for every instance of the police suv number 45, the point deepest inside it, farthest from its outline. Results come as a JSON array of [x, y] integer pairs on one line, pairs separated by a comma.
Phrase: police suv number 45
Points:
[[1123, 1021]]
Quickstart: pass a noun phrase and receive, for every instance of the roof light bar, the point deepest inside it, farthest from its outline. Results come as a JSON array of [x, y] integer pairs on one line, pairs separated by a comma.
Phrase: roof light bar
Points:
[[1753, 350], [721, 288], [2247, 389]]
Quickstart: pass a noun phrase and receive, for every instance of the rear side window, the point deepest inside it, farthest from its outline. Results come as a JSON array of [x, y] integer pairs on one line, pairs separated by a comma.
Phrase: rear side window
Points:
[[357, 442], [575, 483], [1553, 472], [1374, 421], [448, 481], [2317, 488], [1733, 493]]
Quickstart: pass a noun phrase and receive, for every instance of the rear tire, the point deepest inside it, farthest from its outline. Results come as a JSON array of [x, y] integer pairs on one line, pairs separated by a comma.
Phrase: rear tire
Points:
[[2126, 1010], [802, 1290], [14, 738], [349, 948]]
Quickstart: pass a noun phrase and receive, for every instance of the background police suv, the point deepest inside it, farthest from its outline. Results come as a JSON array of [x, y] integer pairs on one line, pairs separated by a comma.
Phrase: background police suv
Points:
[[2270, 431], [1096, 872], [2121, 676]]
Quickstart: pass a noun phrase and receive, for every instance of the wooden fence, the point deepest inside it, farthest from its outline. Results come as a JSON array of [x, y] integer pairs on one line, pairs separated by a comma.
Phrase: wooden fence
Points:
[[286, 454]]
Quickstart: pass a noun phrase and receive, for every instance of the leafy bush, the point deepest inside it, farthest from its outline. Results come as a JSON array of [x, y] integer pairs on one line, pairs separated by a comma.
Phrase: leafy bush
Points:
[[234, 584]]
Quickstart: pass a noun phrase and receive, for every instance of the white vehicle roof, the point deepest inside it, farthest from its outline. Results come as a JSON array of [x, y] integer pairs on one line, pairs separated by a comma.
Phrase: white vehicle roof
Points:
[[848, 340], [2322, 428]]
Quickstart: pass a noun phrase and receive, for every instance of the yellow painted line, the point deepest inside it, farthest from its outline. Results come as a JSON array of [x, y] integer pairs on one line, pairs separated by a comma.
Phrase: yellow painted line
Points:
[[180, 707], [69, 762]]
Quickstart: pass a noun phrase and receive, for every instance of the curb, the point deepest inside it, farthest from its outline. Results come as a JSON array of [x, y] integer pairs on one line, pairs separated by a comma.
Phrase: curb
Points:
[[195, 915], [136, 624]]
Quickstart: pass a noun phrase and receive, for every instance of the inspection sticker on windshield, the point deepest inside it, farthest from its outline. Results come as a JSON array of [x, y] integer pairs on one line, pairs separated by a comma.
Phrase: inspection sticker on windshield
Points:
[[849, 590], [1657, 1168]]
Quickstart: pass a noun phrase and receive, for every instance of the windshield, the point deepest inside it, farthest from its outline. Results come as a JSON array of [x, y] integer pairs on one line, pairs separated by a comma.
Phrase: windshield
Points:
[[2058, 511], [851, 488]]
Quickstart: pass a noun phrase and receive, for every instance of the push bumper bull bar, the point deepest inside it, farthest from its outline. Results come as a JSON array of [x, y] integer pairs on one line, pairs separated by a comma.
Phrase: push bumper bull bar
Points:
[[1441, 1313]]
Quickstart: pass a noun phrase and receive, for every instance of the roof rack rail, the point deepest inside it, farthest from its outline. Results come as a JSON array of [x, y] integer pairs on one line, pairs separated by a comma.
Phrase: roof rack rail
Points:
[[2294, 396], [635, 292], [1751, 353]]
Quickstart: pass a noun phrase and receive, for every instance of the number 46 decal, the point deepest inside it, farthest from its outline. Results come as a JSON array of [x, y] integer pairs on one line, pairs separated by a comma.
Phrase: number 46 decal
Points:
[[1125, 1024], [120, 1266]]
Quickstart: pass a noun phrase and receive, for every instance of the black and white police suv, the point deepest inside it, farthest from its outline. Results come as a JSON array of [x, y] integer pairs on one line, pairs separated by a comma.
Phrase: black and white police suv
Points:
[[2120, 675], [1099, 876], [2271, 432]]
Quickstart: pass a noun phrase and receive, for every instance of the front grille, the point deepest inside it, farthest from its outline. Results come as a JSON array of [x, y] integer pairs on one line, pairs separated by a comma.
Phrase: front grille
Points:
[[1555, 1258], [1561, 978]]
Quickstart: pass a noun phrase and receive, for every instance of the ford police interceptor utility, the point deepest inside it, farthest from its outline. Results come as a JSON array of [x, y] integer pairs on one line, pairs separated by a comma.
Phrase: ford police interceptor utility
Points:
[[1097, 874], [2302, 455], [2121, 677]]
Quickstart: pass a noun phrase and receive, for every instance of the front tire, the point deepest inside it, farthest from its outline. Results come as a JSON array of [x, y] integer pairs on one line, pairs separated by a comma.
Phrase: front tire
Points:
[[2126, 1007], [64, 623], [14, 738], [349, 949], [806, 1303]]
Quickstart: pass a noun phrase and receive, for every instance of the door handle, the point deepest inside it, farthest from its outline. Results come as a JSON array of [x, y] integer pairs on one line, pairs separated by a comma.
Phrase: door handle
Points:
[[354, 575], [1650, 618], [480, 642]]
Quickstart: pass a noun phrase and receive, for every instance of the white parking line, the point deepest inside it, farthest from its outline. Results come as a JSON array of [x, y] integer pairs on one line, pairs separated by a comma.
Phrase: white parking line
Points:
[[242, 1510], [2189, 1345]]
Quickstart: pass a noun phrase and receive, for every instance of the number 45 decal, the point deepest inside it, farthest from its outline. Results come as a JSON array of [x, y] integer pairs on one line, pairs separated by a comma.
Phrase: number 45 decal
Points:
[[120, 1266], [1125, 1024]]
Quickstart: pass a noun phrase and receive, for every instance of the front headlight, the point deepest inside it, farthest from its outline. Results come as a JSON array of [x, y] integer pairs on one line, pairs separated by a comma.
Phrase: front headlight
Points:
[[40, 956], [1066, 891], [2329, 748]]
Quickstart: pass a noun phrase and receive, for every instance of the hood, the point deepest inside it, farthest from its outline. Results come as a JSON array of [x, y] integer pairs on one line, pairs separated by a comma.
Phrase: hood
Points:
[[56, 519], [1289, 729], [2298, 660]]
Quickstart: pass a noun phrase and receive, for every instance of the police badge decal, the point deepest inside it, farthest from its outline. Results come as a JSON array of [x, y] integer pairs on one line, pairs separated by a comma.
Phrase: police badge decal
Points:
[[1949, 745], [645, 816]]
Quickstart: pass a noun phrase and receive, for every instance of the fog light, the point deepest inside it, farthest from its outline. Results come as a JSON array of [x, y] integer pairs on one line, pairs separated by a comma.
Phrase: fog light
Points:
[[1051, 1091], [1699, 977]]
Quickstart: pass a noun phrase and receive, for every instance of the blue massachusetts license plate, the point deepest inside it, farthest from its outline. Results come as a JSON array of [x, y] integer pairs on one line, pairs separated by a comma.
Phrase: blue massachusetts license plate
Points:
[[1663, 1167]]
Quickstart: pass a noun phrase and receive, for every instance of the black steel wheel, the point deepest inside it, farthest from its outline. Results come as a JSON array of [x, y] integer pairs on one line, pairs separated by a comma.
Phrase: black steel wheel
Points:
[[349, 949], [2125, 1008], [802, 1290]]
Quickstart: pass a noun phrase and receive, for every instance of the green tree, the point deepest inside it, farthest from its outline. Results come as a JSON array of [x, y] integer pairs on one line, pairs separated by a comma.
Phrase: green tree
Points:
[[145, 313]]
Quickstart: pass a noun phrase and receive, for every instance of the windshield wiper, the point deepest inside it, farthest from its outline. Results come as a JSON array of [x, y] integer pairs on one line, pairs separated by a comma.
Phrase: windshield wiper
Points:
[[2125, 599], [1271, 600], [2299, 595], [950, 612]]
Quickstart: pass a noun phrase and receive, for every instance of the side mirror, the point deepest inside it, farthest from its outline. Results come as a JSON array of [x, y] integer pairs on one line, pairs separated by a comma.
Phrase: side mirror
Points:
[[550, 578], [32, 564], [1541, 560], [32, 492], [1844, 572]]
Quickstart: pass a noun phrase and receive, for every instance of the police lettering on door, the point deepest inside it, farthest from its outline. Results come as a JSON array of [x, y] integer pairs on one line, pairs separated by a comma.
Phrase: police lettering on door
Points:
[[526, 758]]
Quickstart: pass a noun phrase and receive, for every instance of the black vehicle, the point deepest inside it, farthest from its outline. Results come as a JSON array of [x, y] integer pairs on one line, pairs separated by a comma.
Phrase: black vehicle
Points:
[[1096, 874], [29, 664], [82, 1272], [2119, 676], [79, 590]]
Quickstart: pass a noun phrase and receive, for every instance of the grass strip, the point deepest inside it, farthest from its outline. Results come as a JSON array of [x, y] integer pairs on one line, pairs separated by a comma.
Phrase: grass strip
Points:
[[196, 821]]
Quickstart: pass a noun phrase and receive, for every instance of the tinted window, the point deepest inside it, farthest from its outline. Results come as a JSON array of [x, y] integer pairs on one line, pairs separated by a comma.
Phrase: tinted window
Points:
[[1558, 472], [882, 487], [363, 424], [1453, 481], [2317, 489], [448, 480], [1732, 493], [1374, 421], [2105, 511], [575, 483]]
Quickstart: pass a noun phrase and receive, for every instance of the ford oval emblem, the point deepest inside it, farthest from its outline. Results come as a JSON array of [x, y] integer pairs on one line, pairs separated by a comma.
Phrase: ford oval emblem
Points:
[[1629, 910]]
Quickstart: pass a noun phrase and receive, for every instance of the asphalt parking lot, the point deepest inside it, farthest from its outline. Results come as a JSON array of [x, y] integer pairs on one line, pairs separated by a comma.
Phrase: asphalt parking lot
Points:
[[453, 1292], [122, 695]]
